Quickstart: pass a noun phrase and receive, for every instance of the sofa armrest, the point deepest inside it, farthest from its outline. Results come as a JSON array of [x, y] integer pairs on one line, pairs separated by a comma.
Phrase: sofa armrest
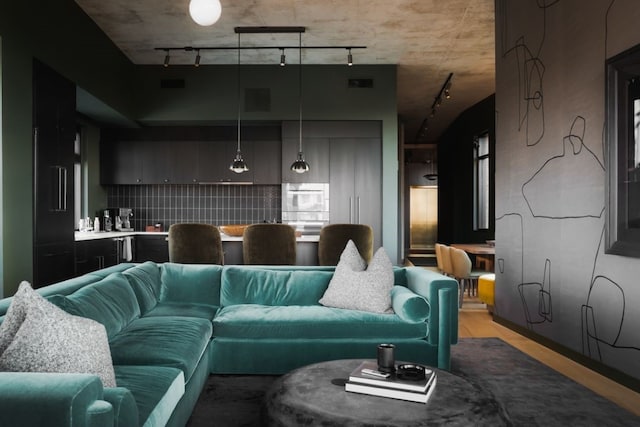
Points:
[[442, 294], [53, 399], [125, 409]]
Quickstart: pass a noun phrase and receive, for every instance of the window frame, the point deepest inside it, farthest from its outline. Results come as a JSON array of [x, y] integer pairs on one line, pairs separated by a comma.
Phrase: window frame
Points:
[[620, 238], [484, 159]]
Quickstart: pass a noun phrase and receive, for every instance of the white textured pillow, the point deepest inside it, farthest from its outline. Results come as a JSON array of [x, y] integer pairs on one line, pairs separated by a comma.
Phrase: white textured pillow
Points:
[[358, 289], [24, 298], [50, 340]]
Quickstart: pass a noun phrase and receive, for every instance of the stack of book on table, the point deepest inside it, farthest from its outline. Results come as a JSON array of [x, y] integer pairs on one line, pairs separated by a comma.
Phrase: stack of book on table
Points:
[[366, 379]]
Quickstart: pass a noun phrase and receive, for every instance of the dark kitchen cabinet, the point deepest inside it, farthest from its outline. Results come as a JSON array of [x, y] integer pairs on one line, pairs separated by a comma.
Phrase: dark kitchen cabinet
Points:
[[92, 255], [215, 157], [266, 164], [355, 184], [121, 162], [151, 248], [54, 133]]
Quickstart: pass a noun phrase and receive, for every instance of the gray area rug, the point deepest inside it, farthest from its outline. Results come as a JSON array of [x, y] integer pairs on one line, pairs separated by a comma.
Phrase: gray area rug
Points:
[[530, 393]]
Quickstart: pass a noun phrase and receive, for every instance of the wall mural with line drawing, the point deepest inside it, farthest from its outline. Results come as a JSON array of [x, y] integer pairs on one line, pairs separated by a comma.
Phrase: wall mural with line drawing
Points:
[[552, 275]]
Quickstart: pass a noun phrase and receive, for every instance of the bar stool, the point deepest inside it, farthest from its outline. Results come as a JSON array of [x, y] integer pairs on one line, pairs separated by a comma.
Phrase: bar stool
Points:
[[269, 244], [191, 243], [334, 238], [462, 271]]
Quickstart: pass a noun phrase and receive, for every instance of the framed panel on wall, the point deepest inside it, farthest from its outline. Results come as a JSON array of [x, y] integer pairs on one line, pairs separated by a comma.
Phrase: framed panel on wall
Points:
[[623, 153]]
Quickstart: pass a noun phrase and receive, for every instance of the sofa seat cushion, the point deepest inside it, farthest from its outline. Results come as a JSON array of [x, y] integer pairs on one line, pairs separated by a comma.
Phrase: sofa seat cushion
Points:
[[259, 321], [156, 390], [183, 309], [177, 342]]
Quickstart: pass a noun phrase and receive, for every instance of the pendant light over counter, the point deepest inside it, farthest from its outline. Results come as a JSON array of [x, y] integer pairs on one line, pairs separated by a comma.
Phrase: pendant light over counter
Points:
[[300, 165], [238, 165]]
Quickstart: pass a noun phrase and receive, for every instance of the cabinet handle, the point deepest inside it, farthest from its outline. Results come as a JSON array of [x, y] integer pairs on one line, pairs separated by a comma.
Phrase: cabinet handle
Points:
[[350, 210]]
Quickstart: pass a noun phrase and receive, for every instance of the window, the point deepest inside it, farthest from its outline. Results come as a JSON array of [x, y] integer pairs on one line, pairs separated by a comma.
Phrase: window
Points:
[[481, 182], [77, 178], [623, 153]]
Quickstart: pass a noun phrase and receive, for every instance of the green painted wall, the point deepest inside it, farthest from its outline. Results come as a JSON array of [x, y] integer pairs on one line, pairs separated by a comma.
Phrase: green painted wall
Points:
[[61, 35]]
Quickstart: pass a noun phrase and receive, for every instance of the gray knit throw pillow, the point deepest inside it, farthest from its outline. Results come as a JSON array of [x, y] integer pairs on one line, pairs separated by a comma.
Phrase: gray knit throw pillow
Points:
[[353, 287], [43, 338]]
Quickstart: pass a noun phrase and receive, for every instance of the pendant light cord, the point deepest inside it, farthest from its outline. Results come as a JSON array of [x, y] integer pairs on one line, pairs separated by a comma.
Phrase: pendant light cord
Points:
[[300, 90], [239, 91]]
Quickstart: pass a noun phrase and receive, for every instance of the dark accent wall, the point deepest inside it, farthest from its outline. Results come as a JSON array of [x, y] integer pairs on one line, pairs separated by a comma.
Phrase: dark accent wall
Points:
[[553, 276], [455, 174], [210, 204]]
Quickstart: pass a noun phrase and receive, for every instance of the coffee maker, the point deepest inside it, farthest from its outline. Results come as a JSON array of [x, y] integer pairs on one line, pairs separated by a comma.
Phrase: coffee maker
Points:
[[121, 218]]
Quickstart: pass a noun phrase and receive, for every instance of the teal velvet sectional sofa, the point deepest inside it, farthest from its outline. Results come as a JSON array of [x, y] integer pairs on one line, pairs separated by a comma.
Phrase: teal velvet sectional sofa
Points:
[[171, 325]]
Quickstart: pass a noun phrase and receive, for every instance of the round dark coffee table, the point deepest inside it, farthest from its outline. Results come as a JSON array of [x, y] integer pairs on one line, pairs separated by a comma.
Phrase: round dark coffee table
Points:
[[314, 395]]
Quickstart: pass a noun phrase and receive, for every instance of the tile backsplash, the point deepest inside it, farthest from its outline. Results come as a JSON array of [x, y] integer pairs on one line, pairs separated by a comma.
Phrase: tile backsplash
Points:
[[209, 204]]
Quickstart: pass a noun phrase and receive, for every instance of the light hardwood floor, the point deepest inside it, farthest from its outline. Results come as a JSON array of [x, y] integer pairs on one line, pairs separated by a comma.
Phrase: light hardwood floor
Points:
[[477, 322]]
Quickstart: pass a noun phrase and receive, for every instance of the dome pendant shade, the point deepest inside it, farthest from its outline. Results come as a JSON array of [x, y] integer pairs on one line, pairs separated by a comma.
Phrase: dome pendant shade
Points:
[[205, 12], [238, 165], [300, 165]]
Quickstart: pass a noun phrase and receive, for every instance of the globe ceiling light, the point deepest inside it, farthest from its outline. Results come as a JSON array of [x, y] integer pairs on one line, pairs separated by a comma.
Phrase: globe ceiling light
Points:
[[205, 12]]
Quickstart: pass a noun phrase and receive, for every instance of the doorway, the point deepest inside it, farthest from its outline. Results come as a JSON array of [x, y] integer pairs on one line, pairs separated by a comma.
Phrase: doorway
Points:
[[423, 218]]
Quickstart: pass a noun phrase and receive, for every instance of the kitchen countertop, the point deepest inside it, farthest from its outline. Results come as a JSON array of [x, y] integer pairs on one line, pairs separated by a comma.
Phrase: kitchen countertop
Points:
[[95, 235]]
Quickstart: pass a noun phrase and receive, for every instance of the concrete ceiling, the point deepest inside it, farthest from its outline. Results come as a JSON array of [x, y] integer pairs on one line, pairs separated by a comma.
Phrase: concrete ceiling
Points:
[[427, 39]]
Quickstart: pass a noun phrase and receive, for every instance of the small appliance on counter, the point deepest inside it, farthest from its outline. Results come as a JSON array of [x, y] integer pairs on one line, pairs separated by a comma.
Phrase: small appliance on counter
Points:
[[119, 219], [305, 206]]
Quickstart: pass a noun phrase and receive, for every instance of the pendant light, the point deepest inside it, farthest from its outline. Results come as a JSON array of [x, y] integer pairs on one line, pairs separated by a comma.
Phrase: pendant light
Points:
[[238, 165], [205, 12], [300, 165]]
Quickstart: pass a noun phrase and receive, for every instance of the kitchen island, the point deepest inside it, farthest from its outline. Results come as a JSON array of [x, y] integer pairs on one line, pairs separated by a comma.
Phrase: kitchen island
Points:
[[153, 246]]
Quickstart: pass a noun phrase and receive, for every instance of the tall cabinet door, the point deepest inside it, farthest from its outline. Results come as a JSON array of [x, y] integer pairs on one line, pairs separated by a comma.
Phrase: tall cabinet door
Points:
[[355, 183], [54, 133]]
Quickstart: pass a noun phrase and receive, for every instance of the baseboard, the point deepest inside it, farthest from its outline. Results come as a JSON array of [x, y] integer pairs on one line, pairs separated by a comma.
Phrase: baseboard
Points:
[[609, 372]]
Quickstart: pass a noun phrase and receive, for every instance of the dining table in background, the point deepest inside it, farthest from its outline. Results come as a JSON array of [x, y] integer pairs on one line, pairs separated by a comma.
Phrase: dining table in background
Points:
[[483, 253]]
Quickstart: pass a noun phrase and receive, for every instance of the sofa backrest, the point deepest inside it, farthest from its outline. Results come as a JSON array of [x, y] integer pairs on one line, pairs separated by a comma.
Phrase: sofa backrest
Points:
[[194, 283], [110, 301], [268, 286], [146, 284]]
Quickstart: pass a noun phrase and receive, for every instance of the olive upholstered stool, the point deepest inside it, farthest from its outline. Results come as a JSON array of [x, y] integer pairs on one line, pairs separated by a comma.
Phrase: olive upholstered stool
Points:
[[334, 238], [486, 290], [195, 244], [269, 244]]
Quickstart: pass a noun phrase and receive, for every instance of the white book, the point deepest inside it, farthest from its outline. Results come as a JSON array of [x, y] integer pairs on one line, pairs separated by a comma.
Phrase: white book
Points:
[[357, 376], [393, 393]]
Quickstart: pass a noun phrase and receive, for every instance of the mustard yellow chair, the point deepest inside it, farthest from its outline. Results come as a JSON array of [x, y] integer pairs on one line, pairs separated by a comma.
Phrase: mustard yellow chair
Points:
[[334, 237], [486, 290], [462, 272], [191, 243], [269, 244]]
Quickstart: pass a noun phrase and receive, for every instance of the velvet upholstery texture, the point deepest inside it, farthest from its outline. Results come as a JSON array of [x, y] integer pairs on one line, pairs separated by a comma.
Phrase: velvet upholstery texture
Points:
[[195, 244], [334, 238], [269, 244], [408, 305]]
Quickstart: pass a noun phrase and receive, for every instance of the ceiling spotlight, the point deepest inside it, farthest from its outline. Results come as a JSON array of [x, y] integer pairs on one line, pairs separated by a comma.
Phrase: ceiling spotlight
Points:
[[205, 12], [167, 58], [283, 60], [197, 64], [349, 58]]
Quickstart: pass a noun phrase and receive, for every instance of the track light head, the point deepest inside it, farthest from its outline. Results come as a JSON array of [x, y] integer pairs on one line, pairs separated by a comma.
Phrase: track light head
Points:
[[283, 59], [167, 58], [349, 58], [197, 63]]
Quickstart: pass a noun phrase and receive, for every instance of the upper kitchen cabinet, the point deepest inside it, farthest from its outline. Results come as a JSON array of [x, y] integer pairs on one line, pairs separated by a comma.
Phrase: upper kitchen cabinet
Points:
[[315, 146], [54, 134], [189, 155], [267, 162]]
